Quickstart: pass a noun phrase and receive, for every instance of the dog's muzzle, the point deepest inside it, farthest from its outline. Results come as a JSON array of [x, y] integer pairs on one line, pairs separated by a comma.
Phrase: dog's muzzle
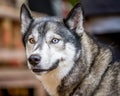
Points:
[[38, 70], [35, 59]]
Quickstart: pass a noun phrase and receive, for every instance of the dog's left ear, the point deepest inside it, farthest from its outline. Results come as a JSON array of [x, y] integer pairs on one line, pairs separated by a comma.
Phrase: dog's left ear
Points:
[[74, 20], [25, 18]]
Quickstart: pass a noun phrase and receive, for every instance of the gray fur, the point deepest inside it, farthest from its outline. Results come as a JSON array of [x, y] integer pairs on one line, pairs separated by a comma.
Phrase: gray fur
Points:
[[94, 72]]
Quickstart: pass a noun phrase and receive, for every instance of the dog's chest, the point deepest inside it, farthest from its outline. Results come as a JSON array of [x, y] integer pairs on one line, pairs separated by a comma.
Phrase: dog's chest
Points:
[[50, 82], [53, 79]]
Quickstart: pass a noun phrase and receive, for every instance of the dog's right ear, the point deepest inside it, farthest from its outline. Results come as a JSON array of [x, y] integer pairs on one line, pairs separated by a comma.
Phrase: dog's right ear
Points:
[[74, 20], [25, 18]]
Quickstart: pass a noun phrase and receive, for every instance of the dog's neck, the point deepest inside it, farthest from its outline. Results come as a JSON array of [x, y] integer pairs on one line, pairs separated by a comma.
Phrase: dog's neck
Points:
[[53, 79], [82, 74], [64, 80], [50, 82]]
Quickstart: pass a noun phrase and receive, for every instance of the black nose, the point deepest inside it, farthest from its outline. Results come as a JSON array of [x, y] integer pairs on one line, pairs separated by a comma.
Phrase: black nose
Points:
[[34, 59]]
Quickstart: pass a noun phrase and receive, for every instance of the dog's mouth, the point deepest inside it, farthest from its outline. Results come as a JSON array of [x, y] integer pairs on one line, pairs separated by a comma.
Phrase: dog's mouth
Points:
[[38, 70]]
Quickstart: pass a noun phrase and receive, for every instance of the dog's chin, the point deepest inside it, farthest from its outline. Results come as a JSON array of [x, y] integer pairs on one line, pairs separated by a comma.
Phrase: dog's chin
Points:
[[42, 71]]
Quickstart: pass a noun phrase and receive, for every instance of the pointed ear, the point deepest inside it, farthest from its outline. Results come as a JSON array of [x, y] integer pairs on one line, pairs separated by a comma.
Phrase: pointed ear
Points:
[[74, 20], [25, 18]]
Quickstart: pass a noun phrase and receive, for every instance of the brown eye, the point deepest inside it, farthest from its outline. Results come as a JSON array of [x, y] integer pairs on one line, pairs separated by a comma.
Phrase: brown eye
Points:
[[32, 41]]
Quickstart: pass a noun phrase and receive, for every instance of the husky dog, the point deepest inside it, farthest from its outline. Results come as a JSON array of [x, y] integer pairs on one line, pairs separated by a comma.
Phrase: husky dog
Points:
[[67, 60]]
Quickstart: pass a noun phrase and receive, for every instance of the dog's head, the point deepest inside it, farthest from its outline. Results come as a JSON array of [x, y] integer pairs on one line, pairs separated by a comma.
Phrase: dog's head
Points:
[[51, 42]]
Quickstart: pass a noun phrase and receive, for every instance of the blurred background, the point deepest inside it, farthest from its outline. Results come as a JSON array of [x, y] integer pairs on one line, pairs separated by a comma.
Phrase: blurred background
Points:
[[101, 19], [15, 78]]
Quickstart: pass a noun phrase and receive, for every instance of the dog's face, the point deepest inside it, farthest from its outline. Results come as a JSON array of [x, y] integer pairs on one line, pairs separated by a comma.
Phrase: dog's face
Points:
[[50, 42]]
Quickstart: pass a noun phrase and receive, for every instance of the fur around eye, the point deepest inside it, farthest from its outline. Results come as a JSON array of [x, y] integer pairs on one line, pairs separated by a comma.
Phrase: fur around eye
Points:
[[32, 41]]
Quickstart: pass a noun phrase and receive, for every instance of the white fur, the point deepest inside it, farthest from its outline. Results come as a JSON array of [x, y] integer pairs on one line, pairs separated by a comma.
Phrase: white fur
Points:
[[52, 79], [50, 53]]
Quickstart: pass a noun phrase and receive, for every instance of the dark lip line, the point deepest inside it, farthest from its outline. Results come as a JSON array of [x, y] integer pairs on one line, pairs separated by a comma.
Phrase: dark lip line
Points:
[[55, 65]]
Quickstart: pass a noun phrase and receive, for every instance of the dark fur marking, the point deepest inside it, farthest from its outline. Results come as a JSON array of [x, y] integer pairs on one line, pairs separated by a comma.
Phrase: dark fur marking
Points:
[[27, 33]]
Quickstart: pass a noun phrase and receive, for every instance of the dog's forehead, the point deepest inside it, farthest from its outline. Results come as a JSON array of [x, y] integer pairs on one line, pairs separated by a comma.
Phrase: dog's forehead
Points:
[[43, 25], [44, 19]]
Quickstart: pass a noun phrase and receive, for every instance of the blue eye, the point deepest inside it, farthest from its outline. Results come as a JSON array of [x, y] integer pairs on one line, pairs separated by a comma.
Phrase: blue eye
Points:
[[55, 40]]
